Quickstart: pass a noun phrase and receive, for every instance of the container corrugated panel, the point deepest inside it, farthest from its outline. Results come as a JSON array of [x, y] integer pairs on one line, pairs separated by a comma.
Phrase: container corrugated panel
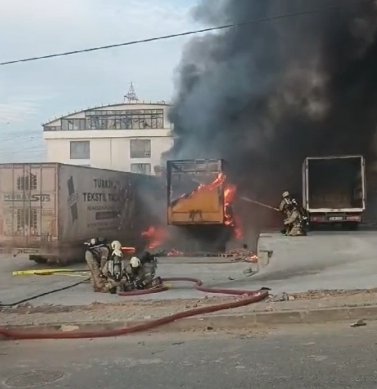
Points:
[[28, 204]]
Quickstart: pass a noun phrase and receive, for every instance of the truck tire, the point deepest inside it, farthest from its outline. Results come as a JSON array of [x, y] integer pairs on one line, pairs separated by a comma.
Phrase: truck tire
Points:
[[351, 226], [38, 259]]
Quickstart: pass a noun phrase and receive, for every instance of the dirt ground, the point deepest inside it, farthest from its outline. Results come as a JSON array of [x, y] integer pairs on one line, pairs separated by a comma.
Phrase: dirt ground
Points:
[[130, 311]]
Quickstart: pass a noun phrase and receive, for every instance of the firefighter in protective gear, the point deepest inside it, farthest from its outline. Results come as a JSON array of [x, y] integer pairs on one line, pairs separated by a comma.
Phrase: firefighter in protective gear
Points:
[[96, 255], [294, 218], [115, 270], [144, 271]]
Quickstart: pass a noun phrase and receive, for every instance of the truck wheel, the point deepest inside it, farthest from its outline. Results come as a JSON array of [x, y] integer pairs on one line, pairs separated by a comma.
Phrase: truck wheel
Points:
[[353, 226], [38, 259]]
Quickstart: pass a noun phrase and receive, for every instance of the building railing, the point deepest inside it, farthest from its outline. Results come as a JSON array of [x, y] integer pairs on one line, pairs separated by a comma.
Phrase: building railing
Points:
[[59, 128], [131, 119], [52, 128]]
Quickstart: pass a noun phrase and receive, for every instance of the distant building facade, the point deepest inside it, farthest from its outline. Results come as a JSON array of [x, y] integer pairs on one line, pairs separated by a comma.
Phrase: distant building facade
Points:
[[130, 136]]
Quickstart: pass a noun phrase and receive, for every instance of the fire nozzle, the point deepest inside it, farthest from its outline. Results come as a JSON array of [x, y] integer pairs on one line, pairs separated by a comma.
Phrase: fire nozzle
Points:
[[244, 198]]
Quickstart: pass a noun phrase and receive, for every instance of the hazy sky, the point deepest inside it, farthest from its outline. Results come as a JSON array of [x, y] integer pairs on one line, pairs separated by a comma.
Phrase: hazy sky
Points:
[[35, 92]]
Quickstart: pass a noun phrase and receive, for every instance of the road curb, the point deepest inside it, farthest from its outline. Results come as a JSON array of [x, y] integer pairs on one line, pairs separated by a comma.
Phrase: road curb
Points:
[[219, 322]]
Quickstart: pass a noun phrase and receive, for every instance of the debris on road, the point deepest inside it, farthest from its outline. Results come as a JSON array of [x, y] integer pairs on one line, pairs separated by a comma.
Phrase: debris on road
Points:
[[359, 323], [279, 297], [243, 254]]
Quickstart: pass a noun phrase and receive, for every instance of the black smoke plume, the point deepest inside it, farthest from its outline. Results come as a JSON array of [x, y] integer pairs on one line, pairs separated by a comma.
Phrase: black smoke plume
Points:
[[266, 95]]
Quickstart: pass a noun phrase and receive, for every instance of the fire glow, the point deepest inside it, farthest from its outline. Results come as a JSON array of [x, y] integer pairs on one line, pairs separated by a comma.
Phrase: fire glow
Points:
[[157, 236], [230, 193], [232, 220]]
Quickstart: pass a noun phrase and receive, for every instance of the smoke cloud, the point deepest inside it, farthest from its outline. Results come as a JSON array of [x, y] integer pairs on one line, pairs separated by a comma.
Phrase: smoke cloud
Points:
[[266, 95]]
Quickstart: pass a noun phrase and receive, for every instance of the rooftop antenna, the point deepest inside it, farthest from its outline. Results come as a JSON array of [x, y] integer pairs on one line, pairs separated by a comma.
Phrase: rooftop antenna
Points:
[[131, 97]]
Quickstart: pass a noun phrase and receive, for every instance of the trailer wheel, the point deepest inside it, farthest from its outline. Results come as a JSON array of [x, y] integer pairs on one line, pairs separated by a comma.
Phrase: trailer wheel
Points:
[[38, 259], [351, 226]]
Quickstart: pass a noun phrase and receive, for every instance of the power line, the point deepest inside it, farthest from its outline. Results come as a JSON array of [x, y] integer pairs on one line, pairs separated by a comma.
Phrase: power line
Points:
[[170, 36]]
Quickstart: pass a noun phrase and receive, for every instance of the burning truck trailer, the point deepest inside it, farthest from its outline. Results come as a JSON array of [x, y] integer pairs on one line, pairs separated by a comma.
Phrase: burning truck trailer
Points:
[[200, 203]]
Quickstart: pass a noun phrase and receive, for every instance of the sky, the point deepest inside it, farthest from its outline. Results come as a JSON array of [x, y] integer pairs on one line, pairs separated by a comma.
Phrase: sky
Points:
[[35, 92]]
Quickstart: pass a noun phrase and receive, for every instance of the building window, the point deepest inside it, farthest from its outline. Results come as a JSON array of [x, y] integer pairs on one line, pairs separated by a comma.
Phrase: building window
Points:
[[141, 168], [140, 148], [137, 119], [73, 124], [80, 150]]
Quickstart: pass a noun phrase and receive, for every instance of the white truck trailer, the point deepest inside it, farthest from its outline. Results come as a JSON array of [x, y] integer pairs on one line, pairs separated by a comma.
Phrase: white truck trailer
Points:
[[47, 210], [334, 190]]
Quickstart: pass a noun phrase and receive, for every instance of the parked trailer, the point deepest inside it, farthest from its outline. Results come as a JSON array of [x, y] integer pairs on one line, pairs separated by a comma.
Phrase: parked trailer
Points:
[[47, 210], [334, 189]]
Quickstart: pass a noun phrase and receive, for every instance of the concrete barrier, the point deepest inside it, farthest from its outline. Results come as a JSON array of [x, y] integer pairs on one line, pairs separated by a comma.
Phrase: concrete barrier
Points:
[[321, 260], [315, 252]]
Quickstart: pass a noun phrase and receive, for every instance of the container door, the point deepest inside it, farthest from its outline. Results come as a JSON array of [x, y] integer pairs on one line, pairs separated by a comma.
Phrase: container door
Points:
[[28, 204], [305, 184], [364, 190]]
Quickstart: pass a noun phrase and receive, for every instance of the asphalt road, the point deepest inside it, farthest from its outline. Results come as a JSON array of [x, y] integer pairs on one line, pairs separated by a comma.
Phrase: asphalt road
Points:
[[322, 260], [331, 356], [14, 288]]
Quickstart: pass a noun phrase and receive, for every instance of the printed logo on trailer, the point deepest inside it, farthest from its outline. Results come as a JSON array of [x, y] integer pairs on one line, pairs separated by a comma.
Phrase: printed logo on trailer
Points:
[[72, 199]]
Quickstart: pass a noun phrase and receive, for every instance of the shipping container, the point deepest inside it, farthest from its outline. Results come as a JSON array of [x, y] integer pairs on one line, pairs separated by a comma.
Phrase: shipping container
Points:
[[334, 189], [47, 210], [195, 192]]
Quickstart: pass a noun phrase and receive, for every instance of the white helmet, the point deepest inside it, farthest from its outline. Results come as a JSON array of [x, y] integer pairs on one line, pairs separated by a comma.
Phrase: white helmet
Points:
[[135, 262], [286, 194], [115, 245]]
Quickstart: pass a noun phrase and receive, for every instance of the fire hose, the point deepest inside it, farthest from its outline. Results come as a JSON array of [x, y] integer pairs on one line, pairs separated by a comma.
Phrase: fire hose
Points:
[[248, 297], [247, 199]]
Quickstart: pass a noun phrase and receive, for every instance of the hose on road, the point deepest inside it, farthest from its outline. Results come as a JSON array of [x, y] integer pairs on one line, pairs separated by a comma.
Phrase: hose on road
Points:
[[27, 299], [248, 297]]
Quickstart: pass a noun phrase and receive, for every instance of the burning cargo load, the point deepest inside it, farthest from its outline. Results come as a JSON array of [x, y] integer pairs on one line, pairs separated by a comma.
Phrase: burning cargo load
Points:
[[199, 194]]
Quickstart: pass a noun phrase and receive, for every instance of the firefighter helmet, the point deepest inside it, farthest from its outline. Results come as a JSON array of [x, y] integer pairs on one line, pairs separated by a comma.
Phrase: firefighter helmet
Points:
[[135, 262], [116, 245]]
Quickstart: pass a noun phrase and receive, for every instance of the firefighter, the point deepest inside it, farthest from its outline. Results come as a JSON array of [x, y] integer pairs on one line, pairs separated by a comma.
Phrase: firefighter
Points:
[[96, 255], [119, 272], [115, 270], [142, 272], [294, 218]]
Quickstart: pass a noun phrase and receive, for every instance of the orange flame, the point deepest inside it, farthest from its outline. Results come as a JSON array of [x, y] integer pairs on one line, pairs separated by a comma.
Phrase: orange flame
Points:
[[238, 231], [231, 220], [230, 193], [156, 236]]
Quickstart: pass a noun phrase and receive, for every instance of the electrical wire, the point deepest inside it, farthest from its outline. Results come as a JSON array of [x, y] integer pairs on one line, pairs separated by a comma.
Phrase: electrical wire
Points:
[[170, 36]]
